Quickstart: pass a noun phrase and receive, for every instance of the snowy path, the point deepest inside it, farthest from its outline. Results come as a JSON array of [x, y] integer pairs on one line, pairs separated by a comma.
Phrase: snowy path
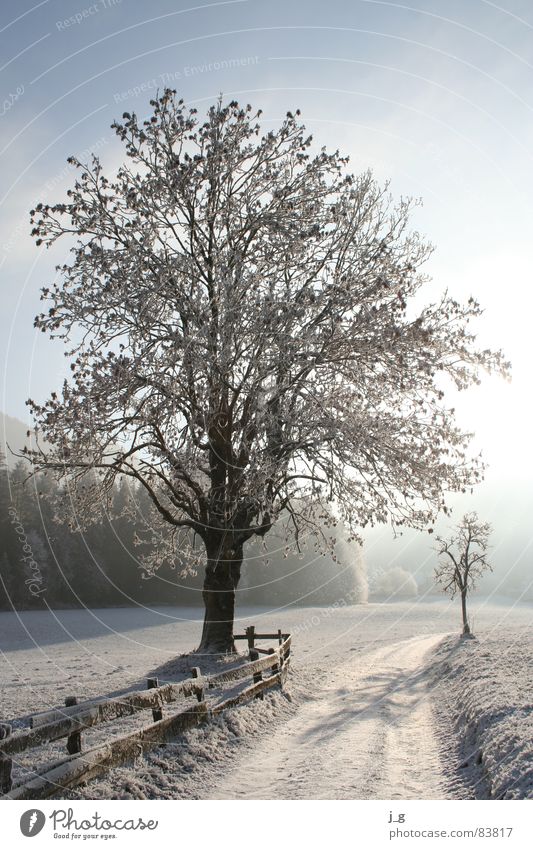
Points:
[[369, 733]]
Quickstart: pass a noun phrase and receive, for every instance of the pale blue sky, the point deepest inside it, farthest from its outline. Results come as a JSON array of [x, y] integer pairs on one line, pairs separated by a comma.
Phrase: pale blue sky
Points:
[[437, 95]]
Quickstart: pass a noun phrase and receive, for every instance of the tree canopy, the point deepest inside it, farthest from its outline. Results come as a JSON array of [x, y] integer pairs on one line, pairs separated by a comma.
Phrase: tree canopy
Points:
[[239, 310]]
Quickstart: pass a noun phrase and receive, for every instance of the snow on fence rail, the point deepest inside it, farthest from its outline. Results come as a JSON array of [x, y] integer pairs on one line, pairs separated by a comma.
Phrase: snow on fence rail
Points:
[[71, 720]]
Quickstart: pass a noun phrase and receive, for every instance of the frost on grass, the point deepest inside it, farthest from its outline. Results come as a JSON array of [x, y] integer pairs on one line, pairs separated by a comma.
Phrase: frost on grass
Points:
[[178, 668], [190, 767], [486, 691]]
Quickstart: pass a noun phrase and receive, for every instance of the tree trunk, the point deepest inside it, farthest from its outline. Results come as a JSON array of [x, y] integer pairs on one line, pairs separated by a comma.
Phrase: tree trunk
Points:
[[222, 575], [466, 626]]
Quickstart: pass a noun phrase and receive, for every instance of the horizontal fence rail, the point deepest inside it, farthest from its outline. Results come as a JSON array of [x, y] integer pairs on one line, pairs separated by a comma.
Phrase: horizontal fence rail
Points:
[[74, 718]]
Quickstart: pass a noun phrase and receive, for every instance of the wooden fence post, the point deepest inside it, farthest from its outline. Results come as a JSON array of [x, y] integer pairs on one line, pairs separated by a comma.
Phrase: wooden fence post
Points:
[[195, 673], [152, 684], [5, 762], [280, 636], [258, 676], [74, 739], [250, 633], [275, 666]]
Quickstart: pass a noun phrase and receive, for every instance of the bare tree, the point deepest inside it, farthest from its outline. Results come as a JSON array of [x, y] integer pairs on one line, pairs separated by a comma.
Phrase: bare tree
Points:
[[238, 311], [463, 559]]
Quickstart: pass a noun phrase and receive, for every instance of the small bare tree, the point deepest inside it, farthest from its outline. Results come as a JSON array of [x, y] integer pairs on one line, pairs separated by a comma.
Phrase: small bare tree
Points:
[[463, 559]]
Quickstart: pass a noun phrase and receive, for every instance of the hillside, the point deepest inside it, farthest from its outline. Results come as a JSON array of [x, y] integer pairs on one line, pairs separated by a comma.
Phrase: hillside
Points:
[[12, 436]]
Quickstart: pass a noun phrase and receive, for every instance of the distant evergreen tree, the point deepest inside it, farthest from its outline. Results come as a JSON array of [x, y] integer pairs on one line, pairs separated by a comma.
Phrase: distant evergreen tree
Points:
[[100, 567], [7, 540]]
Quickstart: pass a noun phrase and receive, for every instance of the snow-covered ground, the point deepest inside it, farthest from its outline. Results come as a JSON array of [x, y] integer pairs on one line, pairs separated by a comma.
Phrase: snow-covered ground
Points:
[[366, 733], [485, 699], [356, 720]]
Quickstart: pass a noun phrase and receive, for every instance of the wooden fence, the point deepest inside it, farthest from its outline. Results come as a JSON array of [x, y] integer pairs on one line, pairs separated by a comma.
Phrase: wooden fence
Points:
[[70, 721]]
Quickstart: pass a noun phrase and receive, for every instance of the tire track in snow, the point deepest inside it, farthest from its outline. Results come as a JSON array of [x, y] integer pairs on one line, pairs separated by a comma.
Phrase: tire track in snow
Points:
[[367, 734]]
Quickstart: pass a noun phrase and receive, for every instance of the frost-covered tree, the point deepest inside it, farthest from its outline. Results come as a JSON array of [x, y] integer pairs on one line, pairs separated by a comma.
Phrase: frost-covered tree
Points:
[[463, 559], [239, 314]]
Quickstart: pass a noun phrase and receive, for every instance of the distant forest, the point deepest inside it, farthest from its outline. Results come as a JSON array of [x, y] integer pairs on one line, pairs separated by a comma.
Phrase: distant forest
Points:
[[44, 562]]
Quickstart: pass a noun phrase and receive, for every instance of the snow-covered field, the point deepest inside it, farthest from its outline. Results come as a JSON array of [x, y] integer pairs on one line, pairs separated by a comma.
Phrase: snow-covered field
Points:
[[485, 696], [373, 708]]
